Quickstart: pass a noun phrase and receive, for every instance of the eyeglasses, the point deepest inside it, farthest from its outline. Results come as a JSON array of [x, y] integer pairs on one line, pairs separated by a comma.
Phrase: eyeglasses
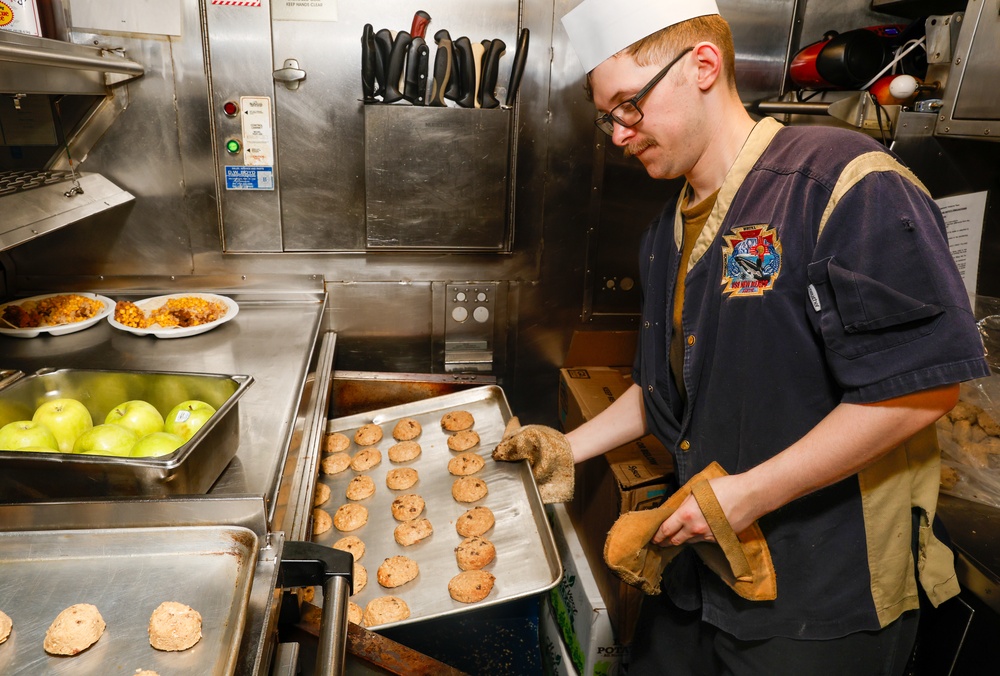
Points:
[[628, 113]]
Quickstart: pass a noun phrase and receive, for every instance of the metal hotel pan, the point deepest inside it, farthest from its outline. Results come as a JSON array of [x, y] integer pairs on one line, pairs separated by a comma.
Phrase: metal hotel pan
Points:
[[191, 469], [526, 562], [126, 573]]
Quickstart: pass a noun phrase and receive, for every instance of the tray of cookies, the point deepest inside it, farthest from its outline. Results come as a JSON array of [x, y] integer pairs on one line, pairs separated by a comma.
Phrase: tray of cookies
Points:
[[435, 525], [124, 600]]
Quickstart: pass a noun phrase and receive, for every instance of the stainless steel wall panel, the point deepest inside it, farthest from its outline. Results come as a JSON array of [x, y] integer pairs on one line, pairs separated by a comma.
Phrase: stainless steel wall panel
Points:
[[239, 53]]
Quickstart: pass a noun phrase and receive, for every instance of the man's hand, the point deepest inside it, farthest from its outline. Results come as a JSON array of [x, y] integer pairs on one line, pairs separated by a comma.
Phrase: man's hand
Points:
[[688, 523]]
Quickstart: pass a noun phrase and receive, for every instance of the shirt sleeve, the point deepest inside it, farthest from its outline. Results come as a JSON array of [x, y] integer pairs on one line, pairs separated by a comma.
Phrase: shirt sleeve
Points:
[[886, 297]]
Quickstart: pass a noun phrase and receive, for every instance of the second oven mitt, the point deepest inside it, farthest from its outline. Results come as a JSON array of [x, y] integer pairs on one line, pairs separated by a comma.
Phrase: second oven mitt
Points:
[[548, 453], [742, 561]]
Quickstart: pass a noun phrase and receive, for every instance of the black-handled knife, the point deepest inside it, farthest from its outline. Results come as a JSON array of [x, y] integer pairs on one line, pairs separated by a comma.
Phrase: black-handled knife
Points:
[[466, 72], [394, 71], [442, 73], [368, 52], [415, 81], [383, 48], [517, 67], [453, 90], [491, 67], [418, 27]]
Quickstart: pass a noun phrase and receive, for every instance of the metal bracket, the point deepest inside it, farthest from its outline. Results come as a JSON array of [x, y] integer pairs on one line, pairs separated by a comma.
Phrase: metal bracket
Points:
[[290, 75]]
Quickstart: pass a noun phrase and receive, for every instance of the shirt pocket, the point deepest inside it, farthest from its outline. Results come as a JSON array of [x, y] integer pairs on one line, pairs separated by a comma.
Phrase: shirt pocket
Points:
[[858, 315]]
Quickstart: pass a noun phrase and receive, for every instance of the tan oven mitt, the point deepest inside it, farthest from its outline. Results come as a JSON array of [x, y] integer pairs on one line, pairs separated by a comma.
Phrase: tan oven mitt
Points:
[[548, 453], [742, 561]]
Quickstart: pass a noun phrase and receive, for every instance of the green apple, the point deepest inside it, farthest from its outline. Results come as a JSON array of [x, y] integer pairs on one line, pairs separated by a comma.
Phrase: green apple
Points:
[[139, 416], [67, 418], [156, 444], [23, 435], [106, 439], [187, 417]]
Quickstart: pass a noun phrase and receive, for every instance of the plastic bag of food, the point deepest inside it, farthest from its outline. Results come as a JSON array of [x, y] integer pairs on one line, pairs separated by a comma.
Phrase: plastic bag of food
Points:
[[969, 435]]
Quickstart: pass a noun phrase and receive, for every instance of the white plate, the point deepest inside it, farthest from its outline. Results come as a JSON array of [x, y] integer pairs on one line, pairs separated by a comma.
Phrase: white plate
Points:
[[58, 329], [148, 304]]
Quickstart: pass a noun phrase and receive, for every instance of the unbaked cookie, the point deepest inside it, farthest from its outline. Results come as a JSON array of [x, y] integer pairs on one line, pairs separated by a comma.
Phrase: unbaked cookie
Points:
[[474, 553], [352, 544], [307, 594], [360, 487], [406, 429], [396, 571], [336, 443], [471, 585], [174, 626], [335, 464], [322, 521], [385, 609], [351, 516], [146, 672], [74, 630], [463, 441], [468, 489], [453, 421], [321, 495], [476, 521], [411, 532], [354, 612], [401, 478], [368, 434], [6, 624], [360, 578], [407, 507], [404, 451], [366, 459], [465, 464]]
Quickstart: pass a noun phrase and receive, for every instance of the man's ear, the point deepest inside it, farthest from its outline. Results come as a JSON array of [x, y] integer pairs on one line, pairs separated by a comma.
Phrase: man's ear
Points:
[[709, 62]]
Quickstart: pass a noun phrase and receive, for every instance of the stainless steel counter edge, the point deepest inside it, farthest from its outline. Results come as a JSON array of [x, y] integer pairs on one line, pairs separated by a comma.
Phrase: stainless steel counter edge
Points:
[[293, 508]]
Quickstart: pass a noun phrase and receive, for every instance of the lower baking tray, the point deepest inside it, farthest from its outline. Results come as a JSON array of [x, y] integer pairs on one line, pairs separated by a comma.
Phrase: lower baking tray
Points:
[[526, 562], [126, 573]]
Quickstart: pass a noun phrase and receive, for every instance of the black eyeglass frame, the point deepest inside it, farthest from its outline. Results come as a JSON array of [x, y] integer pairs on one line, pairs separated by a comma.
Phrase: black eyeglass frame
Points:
[[606, 122]]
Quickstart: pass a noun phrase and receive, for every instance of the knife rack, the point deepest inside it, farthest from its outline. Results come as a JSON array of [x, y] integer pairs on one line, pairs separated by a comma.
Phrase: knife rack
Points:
[[437, 179]]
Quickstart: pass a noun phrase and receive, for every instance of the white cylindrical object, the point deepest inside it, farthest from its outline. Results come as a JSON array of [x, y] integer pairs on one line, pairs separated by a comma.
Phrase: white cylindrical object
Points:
[[903, 86], [20, 16]]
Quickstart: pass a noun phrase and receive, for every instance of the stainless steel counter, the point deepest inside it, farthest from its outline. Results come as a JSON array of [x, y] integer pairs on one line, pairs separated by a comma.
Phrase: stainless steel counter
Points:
[[273, 338]]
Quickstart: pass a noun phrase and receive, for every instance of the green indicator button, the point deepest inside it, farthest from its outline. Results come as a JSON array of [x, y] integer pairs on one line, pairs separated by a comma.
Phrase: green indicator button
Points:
[[233, 146]]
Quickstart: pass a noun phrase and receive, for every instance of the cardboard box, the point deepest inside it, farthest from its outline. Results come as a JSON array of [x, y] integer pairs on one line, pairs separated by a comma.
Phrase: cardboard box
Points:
[[631, 477], [556, 660], [578, 610]]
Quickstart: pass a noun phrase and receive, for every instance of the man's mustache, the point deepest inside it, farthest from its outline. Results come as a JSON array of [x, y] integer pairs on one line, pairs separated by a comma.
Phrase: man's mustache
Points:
[[637, 147]]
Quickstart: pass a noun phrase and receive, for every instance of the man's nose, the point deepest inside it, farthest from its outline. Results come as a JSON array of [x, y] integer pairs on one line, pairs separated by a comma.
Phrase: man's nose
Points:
[[621, 134]]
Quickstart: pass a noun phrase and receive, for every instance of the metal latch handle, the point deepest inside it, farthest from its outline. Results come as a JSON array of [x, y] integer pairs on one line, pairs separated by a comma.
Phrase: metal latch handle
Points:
[[290, 75]]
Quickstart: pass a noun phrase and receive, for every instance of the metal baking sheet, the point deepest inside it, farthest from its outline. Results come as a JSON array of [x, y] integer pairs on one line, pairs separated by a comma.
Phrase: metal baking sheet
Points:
[[126, 573], [526, 562]]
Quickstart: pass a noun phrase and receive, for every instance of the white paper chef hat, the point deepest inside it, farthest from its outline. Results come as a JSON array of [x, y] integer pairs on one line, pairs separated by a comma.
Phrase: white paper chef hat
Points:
[[599, 29]]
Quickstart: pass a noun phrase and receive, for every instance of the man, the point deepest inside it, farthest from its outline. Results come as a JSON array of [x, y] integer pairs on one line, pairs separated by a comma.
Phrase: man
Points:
[[804, 326]]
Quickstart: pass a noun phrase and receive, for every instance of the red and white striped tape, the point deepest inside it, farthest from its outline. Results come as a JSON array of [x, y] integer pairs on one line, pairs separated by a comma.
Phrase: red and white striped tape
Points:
[[237, 3]]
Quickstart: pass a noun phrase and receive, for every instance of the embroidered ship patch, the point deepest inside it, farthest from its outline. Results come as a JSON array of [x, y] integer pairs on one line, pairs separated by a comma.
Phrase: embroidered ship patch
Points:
[[751, 260]]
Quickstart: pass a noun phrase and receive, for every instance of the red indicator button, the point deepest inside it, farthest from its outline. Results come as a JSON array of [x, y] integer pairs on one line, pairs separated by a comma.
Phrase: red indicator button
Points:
[[230, 108]]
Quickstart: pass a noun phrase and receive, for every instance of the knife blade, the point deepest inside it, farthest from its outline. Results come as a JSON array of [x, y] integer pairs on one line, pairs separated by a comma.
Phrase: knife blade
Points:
[[368, 51], [442, 73], [477, 64], [517, 67], [466, 72], [394, 71], [491, 66], [415, 80], [418, 27], [383, 48]]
